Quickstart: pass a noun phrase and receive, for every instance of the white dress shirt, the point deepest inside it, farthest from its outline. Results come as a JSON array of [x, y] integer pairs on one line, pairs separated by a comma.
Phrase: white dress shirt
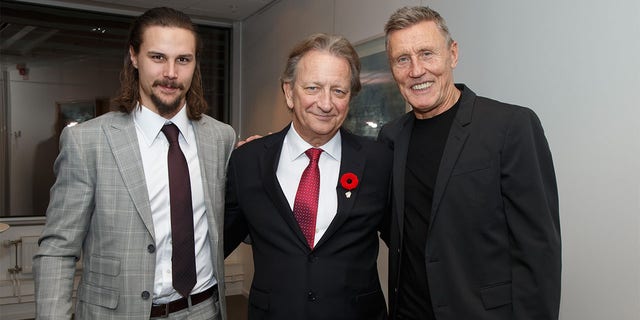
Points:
[[292, 163], [153, 149]]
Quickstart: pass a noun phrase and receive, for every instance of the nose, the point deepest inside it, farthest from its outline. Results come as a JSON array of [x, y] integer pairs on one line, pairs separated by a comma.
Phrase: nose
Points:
[[170, 70], [324, 100], [416, 70]]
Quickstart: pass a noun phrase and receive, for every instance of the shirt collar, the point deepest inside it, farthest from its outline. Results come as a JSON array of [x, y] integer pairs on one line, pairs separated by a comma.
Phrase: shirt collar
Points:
[[150, 123], [298, 146]]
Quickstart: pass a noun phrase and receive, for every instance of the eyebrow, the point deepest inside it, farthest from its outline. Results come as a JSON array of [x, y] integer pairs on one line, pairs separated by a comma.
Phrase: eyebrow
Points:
[[184, 55]]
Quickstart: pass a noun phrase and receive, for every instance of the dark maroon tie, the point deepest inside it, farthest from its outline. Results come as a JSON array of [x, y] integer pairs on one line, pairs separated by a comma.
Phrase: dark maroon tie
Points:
[[183, 247], [305, 206]]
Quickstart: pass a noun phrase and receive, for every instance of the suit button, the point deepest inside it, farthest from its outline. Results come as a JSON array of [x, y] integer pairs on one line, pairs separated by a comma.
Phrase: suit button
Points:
[[311, 296], [312, 258], [145, 295], [151, 248]]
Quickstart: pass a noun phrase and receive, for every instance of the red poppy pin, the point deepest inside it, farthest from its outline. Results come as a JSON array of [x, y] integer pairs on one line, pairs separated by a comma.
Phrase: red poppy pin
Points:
[[349, 181]]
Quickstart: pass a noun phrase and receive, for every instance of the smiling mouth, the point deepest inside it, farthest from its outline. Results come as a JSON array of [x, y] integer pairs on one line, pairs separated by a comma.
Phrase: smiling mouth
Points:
[[422, 86], [323, 116]]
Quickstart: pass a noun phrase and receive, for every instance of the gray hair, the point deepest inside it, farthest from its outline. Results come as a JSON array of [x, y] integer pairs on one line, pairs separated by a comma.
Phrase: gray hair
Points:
[[335, 45], [408, 16]]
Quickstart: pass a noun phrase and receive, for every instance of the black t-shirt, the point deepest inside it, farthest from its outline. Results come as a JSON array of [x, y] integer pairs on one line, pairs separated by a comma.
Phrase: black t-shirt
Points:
[[426, 146]]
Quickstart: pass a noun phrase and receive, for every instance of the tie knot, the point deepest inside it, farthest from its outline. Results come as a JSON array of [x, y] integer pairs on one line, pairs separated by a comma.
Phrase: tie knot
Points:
[[171, 132], [313, 154]]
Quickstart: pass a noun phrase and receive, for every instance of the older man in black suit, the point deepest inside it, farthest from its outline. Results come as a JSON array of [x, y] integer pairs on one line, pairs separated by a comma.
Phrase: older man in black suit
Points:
[[475, 232], [315, 243]]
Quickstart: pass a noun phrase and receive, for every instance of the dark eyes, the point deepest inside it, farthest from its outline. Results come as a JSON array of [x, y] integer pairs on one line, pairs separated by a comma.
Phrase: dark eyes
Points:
[[161, 58], [184, 60]]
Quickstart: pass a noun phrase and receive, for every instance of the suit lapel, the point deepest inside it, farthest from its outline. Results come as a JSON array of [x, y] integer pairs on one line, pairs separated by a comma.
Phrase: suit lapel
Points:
[[268, 167], [123, 140], [351, 161], [401, 148], [455, 142], [204, 142]]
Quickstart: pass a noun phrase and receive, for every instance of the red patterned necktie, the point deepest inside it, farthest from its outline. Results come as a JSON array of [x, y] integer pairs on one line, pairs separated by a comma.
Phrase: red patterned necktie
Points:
[[305, 206], [183, 261]]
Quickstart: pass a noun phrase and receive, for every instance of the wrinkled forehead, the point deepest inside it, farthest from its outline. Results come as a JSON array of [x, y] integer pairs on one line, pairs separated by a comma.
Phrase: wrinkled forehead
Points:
[[323, 63], [422, 34]]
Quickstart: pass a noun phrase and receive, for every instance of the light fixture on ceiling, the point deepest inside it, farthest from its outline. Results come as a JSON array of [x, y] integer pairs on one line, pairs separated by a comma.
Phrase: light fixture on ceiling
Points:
[[98, 30]]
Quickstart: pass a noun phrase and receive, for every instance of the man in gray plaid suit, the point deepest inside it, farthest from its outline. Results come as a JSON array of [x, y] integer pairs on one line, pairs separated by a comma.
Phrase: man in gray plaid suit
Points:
[[110, 202]]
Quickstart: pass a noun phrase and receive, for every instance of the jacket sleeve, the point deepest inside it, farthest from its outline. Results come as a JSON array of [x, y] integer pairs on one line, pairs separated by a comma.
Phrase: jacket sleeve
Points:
[[60, 245], [385, 224], [530, 199], [235, 224]]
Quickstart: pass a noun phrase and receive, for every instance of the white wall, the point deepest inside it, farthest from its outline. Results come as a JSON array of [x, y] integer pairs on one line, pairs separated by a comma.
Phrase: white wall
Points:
[[268, 37], [574, 62], [32, 114]]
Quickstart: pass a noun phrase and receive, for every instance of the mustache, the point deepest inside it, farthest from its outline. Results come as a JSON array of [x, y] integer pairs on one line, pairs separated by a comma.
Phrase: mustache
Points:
[[168, 83]]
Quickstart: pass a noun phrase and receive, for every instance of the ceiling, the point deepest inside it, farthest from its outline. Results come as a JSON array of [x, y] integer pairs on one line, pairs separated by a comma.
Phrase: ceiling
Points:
[[36, 32], [228, 10]]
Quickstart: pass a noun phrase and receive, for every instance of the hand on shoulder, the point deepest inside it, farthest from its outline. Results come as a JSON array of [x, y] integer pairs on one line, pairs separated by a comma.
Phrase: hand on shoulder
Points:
[[251, 138]]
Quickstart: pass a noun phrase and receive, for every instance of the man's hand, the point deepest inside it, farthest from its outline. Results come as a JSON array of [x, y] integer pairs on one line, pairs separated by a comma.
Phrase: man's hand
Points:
[[251, 138]]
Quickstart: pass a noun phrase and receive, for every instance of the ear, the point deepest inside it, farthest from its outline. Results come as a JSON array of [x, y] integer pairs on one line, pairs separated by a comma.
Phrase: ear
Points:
[[288, 94], [454, 54], [133, 57]]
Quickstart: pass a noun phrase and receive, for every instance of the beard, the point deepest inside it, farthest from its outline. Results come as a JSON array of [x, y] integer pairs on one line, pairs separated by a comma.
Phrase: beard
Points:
[[170, 107]]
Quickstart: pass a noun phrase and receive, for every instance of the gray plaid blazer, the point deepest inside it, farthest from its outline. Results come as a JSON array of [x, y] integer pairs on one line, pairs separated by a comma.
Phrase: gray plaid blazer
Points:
[[100, 208]]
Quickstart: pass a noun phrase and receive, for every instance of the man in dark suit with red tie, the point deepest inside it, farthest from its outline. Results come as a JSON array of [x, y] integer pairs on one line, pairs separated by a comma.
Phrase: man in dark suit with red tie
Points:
[[314, 243]]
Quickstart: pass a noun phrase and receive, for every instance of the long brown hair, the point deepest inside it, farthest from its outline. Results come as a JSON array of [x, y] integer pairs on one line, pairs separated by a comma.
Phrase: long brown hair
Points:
[[129, 94]]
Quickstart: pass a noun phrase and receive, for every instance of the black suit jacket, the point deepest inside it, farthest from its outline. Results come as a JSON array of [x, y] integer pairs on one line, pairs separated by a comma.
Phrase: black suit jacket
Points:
[[338, 279], [493, 245]]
